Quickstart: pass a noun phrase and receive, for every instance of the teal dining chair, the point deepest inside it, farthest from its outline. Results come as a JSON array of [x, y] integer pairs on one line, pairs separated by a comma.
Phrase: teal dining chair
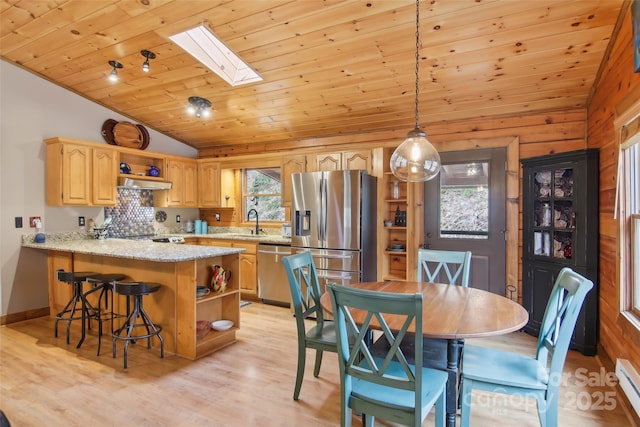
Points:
[[305, 297], [538, 377], [452, 267], [387, 387]]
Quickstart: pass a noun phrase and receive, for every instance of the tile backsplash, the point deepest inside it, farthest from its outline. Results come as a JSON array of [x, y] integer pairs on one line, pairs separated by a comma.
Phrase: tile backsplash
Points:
[[133, 215]]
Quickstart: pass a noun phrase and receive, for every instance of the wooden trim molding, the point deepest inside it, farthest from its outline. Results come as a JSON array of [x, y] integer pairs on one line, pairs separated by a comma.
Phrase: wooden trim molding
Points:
[[23, 315]]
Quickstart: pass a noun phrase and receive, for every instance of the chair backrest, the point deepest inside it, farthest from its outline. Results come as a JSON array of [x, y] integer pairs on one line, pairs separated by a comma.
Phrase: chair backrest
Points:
[[559, 321], [373, 310], [438, 266], [305, 288]]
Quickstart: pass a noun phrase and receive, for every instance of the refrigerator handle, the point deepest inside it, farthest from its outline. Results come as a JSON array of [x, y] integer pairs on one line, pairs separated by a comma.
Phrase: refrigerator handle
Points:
[[321, 215]]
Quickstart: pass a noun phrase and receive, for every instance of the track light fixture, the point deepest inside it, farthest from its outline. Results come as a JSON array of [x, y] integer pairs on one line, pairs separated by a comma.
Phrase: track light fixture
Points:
[[199, 107], [113, 76], [148, 55]]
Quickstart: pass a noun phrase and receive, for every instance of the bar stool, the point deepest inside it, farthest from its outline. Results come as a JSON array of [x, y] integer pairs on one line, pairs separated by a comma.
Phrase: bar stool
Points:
[[104, 283], [68, 314], [137, 317]]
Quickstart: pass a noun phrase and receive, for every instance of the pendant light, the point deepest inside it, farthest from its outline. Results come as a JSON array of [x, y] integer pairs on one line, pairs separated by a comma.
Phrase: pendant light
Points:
[[416, 159]]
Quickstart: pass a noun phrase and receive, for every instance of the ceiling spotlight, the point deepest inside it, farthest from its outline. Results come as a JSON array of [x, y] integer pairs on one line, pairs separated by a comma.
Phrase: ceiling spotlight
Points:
[[149, 55], [199, 107], [113, 76]]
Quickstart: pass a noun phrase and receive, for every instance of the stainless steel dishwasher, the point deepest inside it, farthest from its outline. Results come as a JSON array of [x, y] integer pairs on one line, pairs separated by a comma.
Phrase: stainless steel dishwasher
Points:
[[273, 285]]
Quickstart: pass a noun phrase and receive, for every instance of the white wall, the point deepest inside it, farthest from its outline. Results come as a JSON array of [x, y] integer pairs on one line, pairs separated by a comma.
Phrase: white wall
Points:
[[31, 110]]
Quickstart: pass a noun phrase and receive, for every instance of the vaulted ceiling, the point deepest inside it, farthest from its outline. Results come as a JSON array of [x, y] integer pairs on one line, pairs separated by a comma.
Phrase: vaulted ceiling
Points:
[[329, 67]]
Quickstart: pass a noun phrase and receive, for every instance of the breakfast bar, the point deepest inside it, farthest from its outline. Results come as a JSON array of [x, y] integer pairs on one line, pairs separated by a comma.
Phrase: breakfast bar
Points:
[[178, 268]]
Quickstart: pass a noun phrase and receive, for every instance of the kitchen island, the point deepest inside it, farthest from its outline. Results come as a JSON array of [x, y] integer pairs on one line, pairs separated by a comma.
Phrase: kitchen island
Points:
[[179, 268]]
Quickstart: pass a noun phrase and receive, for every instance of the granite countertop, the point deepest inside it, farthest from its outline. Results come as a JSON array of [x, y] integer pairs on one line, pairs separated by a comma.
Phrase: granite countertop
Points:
[[133, 249]]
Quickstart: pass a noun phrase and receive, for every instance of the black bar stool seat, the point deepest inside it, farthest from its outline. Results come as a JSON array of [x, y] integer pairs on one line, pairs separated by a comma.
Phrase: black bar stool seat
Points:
[[104, 283], [137, 317], [77, 302]]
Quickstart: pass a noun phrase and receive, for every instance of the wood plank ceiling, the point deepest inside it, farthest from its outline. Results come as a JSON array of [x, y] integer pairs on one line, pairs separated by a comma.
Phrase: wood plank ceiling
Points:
[[329, 67]]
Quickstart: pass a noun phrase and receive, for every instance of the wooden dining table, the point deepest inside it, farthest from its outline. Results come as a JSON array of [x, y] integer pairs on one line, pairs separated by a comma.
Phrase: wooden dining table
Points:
[[452, 313]]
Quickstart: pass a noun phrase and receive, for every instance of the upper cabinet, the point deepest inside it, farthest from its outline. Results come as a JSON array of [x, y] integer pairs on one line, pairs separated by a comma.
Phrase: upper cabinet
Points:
[[290, 165], [209, 183], [183, 174], [344, 160], [79, 174]]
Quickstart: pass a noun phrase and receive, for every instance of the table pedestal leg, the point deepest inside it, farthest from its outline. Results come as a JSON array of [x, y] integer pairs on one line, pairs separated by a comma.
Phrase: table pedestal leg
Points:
[[453, 361]]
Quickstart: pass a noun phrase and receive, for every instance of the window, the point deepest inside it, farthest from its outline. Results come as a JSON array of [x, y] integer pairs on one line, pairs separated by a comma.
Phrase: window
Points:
[[464, 201], [629, 210], [261, 191]]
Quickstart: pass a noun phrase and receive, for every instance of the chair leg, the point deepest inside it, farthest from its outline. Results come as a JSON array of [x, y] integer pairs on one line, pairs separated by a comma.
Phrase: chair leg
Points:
[[441, 409], [465, 402], [316, 369], [302, 355]]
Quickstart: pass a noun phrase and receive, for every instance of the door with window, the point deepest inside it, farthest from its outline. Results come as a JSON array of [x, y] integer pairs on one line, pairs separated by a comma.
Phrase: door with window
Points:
[[465, 211]]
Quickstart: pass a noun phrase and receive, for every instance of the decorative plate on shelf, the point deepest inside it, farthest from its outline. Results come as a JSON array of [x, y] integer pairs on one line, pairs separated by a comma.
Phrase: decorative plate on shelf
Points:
[[125, 134], [161, 216]]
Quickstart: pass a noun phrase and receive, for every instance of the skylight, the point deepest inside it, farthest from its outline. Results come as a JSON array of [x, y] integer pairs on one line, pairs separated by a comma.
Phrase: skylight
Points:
[[203, 45]]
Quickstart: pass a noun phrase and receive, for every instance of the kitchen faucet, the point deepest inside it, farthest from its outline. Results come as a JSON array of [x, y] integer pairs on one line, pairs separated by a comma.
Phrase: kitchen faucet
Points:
[[249, 214]]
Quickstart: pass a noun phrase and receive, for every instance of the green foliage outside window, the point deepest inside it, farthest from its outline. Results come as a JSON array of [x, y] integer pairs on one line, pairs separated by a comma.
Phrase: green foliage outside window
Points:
[[261, 191]]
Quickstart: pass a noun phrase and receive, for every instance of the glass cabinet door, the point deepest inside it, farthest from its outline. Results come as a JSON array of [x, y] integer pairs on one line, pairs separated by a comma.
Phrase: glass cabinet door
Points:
[[553, 216]]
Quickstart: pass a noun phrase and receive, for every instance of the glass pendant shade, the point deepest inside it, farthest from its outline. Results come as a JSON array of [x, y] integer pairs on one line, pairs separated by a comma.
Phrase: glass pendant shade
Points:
[[415, 160]]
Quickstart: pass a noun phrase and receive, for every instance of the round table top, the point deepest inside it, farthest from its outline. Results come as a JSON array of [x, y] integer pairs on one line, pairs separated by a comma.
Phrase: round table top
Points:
[[454, 312]]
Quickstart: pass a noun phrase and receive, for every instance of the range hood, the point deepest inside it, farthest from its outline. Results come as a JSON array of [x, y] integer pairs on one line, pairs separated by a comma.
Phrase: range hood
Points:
[[143, 184]]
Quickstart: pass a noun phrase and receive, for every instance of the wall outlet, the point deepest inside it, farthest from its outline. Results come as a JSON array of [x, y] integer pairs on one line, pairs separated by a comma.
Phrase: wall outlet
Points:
[[81, 222], [218, 217], [18, 222], [178, 218]]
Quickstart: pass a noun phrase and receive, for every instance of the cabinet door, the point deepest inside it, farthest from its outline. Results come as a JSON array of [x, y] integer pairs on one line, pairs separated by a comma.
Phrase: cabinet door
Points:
[[175, 174], [105, 175], [190, 184], [209, 183], [357, 160], [328, 162], [248, 274], [289, 165], [76, 175]]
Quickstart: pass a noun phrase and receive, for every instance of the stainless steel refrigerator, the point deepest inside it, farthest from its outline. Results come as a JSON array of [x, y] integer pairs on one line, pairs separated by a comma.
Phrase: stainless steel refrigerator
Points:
[[334, 217]]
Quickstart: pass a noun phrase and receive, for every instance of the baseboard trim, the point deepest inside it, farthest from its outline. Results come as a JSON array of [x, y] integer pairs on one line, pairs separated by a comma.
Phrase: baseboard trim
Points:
[[24, 315]]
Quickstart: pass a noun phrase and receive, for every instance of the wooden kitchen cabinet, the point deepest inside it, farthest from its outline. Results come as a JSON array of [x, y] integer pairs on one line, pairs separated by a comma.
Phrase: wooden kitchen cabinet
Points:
[[183, 174], [209, 183], [79, 174], [290, 165], [344, 160]]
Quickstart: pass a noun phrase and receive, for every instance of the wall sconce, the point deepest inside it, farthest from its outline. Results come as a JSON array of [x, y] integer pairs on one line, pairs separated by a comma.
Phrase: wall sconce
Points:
[[113, 76], [148, 55], [199, 106]]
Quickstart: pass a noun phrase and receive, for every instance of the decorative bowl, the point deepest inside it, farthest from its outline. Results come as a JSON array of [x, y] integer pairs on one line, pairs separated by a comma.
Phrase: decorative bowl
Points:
[[221, 325], [202, 328]]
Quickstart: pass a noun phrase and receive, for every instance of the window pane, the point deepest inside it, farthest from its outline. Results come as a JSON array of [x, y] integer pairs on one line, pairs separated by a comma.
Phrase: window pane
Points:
[[632, 164], [261, 191], [464, 201], [635, 264]]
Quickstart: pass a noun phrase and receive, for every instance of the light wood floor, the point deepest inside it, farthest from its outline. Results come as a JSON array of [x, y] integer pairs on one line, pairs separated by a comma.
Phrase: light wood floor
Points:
[[44, 382]]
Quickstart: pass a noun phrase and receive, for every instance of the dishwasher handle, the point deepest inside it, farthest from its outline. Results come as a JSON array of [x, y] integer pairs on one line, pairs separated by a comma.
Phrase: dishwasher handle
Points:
[[262, 251]]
